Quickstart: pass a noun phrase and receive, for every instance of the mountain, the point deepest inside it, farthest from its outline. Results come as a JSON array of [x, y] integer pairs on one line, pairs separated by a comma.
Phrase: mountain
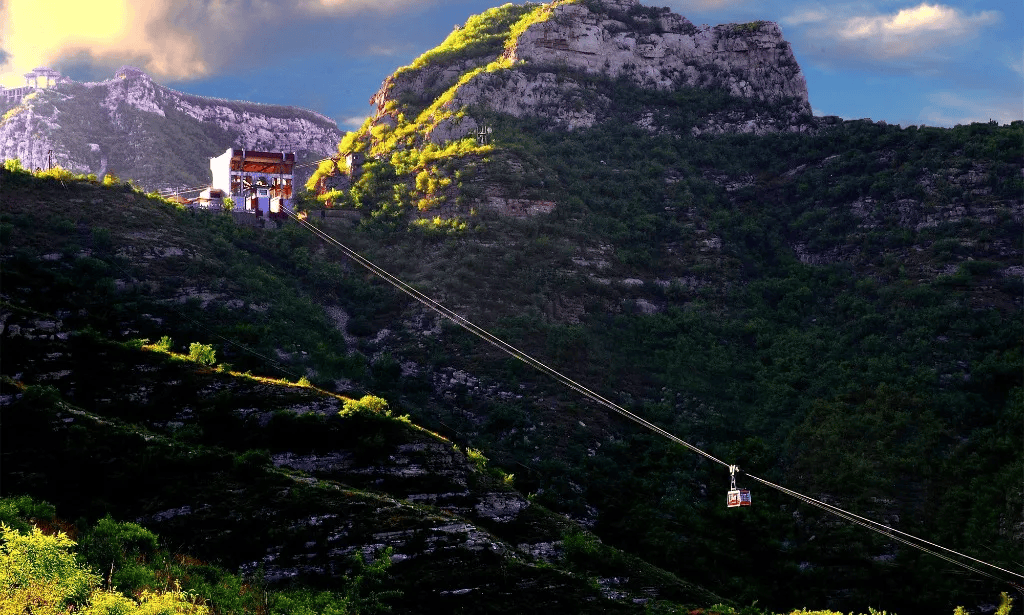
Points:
[[546, 63], [570, 66], [272, 479], [140, 130], [834, 306]]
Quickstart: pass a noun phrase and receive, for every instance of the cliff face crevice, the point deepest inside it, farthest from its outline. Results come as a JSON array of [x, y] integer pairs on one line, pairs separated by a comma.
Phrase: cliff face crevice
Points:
[[157, 136]]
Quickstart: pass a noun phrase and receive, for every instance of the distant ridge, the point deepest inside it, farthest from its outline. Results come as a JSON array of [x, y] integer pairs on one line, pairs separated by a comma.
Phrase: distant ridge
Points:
[[133, 127]]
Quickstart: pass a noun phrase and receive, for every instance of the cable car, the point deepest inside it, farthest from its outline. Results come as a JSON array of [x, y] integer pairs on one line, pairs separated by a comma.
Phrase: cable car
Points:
[[736, 497]]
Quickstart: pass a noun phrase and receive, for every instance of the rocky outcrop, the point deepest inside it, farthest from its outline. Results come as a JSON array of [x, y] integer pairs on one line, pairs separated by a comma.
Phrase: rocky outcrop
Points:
[[159, 137], [538, 74], [664, 50]]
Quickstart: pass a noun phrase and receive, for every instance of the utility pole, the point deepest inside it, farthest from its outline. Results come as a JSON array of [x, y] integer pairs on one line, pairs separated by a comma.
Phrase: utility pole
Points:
[[49, 160]]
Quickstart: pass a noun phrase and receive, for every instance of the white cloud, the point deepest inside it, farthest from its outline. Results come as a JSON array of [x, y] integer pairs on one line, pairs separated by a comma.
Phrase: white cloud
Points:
[[385, 50], [926, 30], [352, 122], [804, 16], [950, 109], [1017, 64], [171, 39], [912, 31]]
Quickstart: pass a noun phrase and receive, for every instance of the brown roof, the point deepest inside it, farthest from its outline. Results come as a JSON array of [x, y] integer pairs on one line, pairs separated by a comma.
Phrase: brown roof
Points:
[[258, 156]]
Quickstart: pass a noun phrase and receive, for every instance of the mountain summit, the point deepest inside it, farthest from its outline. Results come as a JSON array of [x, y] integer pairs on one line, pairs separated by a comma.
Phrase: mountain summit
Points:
[[543, 61], [445, 126]]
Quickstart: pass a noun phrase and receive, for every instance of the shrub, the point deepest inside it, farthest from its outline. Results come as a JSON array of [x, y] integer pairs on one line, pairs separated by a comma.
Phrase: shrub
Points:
[[204, 354], [368, 404], [478, 459], [14, 166], [39, 574], [112, 546], [165, 343], [13, 510], [252, 462]]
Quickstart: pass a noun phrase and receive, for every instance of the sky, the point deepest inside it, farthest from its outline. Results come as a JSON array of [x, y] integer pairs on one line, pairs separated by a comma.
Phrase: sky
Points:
[[906, 62]]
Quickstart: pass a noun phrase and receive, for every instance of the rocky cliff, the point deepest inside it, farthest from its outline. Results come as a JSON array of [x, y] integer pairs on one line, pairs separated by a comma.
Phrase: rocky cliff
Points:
[[159, 137], [551, 57], [573, 65]]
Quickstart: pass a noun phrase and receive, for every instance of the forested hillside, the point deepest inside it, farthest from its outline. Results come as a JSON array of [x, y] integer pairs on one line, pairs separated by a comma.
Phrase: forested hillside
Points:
[[840, 313], [834, 306]]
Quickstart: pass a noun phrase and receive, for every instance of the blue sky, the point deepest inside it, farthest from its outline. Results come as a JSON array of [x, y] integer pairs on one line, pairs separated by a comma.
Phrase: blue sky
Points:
[[939, 63]]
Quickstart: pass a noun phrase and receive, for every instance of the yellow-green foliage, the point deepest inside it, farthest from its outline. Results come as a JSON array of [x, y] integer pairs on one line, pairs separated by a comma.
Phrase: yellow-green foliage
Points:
[[174, 602], [748, 28], [478, 459], [58, 172], [1005, 606], [414, 160], [482, 34], [325, 168], [39, 574], [421, 180], [14, 166], [352, 141], [368, 404], [437, 224], [537, 15], [422, 165], [204, 354], [14, 111]]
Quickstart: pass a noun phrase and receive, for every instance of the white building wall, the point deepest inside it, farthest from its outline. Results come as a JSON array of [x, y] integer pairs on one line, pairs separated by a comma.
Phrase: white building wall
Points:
[[220, 167]]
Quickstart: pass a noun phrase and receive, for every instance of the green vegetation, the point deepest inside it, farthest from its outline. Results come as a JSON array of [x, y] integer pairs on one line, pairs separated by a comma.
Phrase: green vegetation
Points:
[[838, 312], [482, 35], [204, 354], [844, 373], [748, 28], [120, 569], [39, 574]]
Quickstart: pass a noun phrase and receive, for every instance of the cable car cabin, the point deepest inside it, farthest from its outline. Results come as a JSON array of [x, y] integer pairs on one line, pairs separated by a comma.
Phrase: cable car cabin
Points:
[[738, 497]]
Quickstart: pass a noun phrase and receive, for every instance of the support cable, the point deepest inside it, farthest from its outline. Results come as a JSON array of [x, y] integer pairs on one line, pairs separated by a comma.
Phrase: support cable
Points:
[[892, 532], [902, 537], [501, 344]]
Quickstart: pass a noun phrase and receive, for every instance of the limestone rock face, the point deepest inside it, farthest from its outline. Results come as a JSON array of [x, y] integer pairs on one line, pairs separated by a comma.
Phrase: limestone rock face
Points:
[[750, 60], [141, 130], [614, 39]]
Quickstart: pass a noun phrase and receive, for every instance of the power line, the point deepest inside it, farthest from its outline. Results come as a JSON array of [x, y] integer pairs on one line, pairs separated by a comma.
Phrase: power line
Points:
[[892, 533]]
